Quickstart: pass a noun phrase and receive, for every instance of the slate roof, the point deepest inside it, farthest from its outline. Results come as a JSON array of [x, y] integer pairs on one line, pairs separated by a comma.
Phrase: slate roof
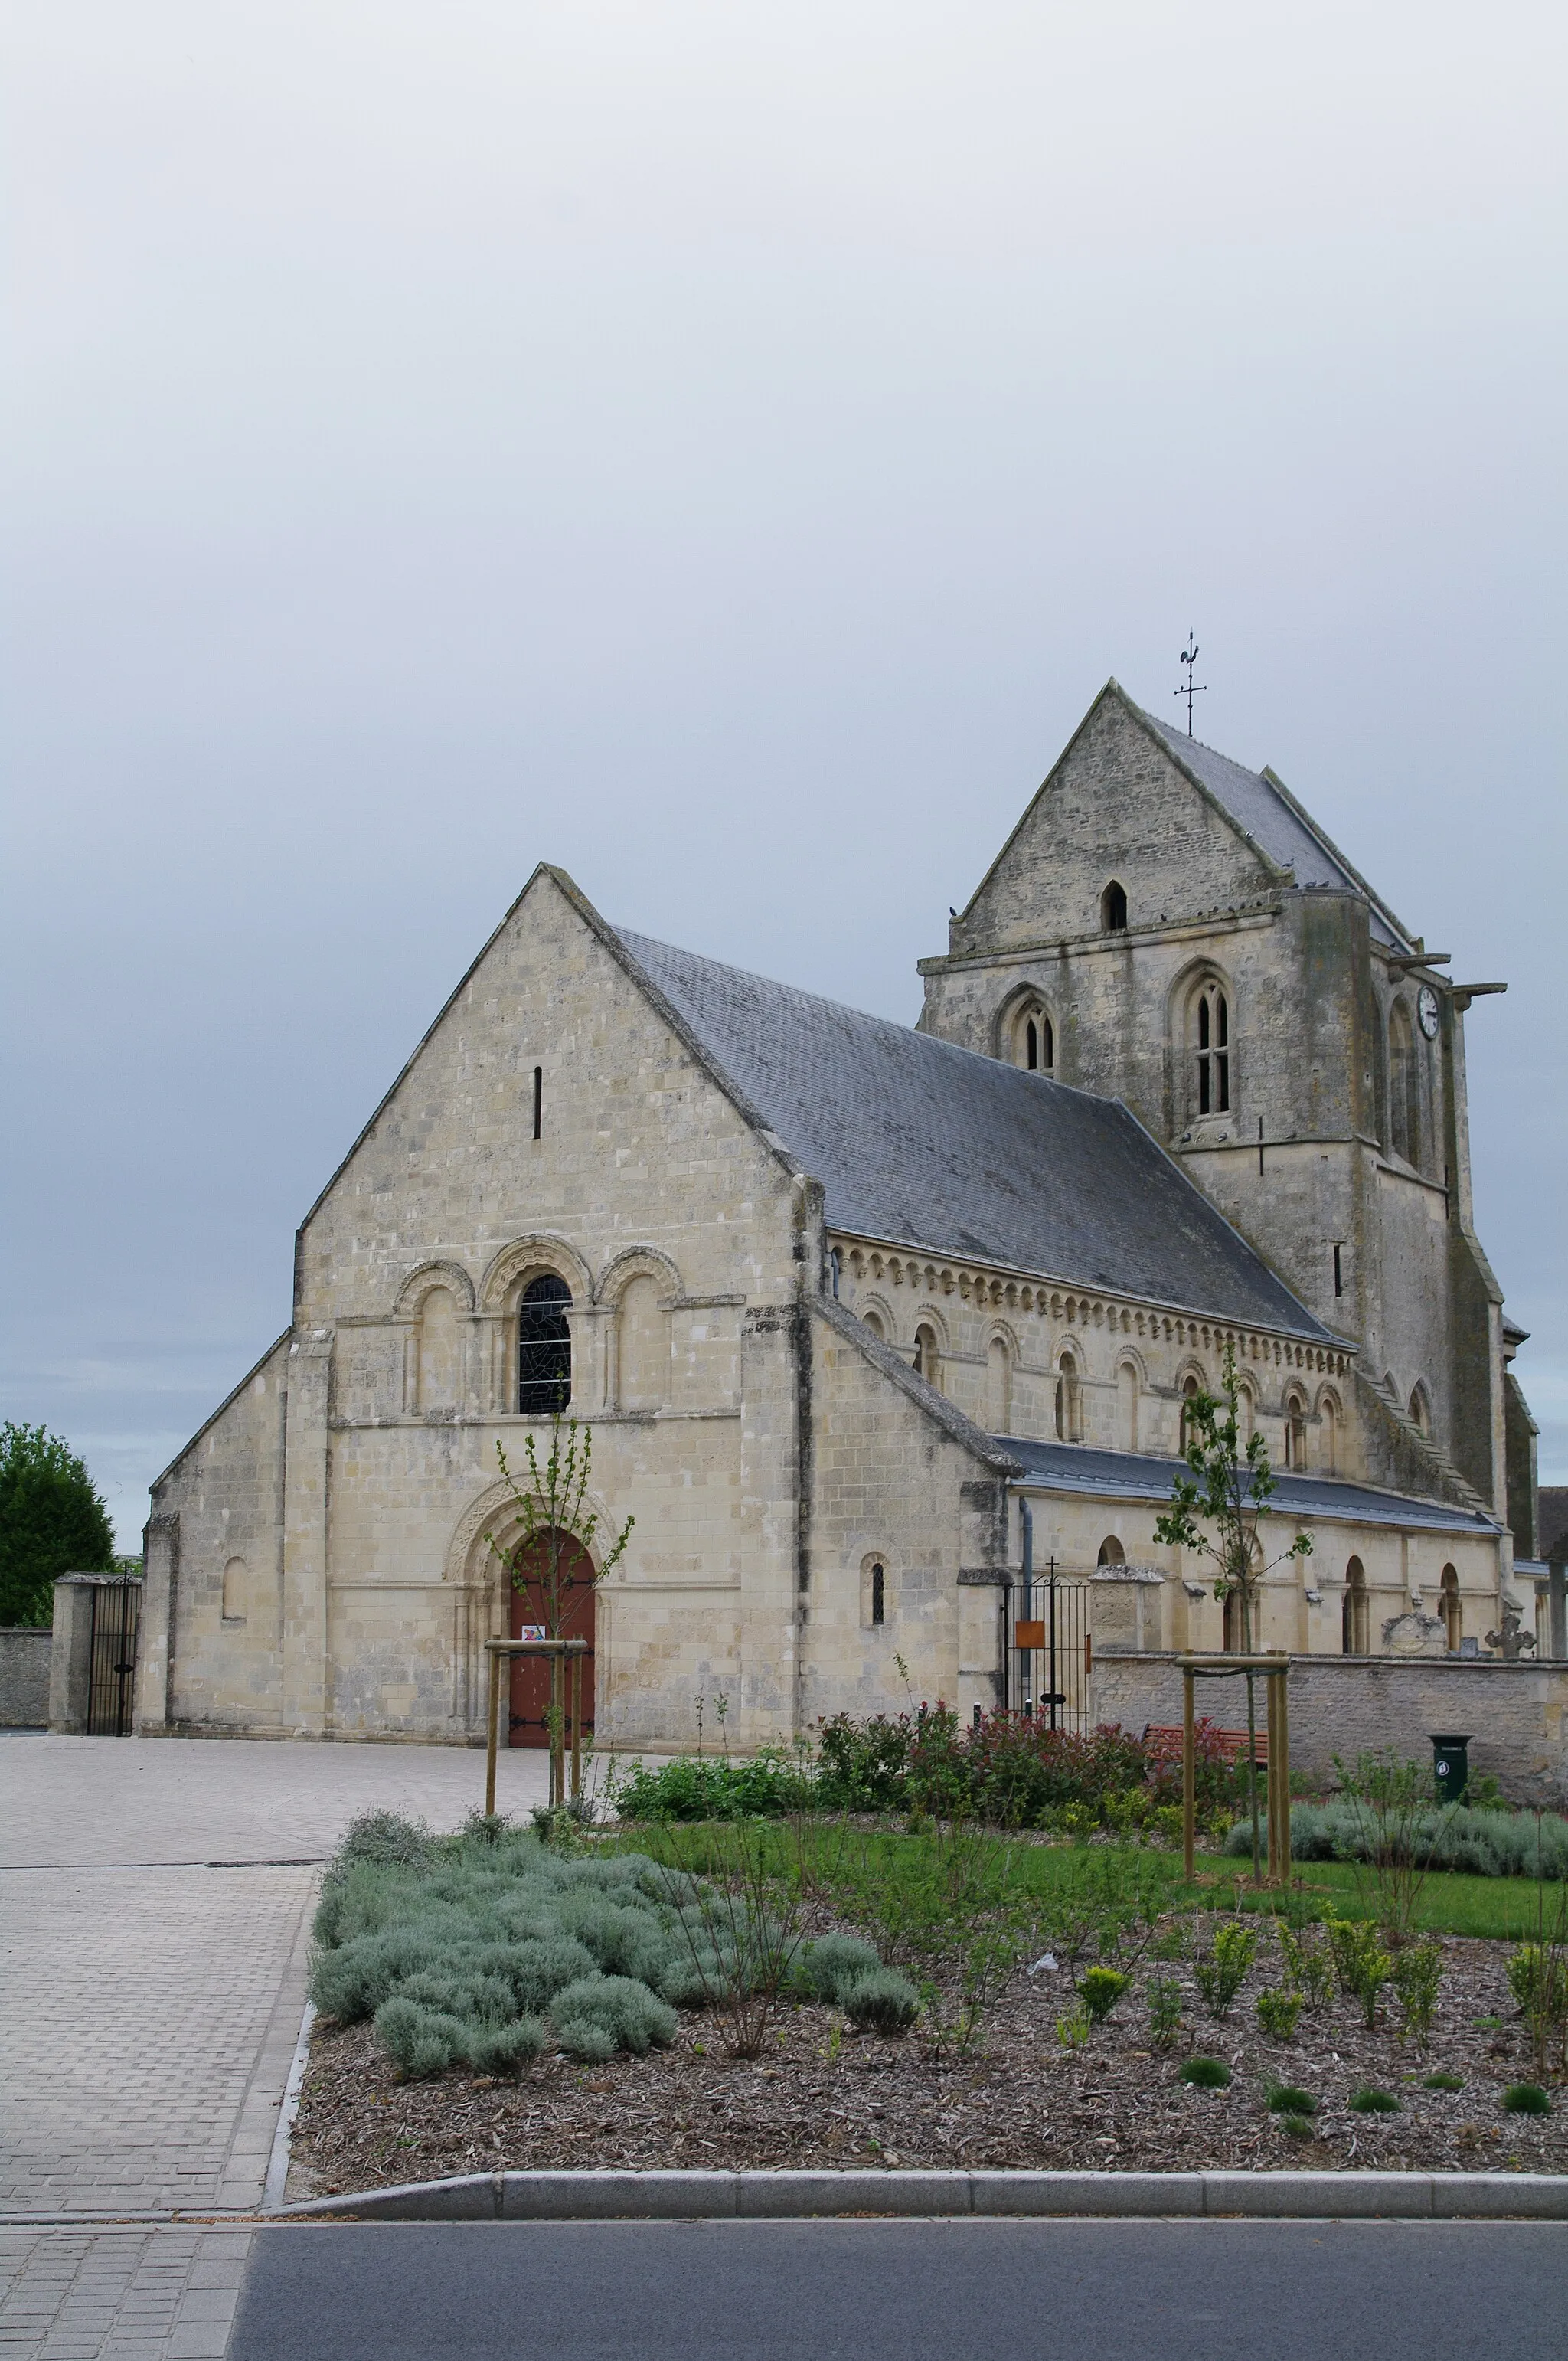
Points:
[[1273, 819], [1552, 1521], [1136, 1476], [920, 1143]]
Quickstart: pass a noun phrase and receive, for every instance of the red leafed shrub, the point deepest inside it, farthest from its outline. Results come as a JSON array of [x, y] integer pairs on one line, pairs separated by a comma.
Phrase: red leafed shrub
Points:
[[1007, 1768]]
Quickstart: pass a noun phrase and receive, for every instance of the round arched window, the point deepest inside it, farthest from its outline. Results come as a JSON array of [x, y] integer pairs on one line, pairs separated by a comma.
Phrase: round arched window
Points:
[[544, 1347]]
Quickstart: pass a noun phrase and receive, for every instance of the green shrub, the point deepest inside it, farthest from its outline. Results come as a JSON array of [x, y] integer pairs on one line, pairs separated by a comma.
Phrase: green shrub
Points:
[[1361, 1964], [1444, 2082], [500, 2049], [623, 2011], [712, 1787], [1526, 2099], [1485, 1842], [1207, 2073], [1277, 2013], [385, 1837], [1074, 2029], [1309, 1963], [590, 2043], [1223, 1975], [1163, 1994], [834, 1963], [1099, 1990], [884, 2002], [1300, 2127], [474, 1938], [420, 2040], [1288, 2099], [1538, 1979], [1369, 2102], [1416, 1980]]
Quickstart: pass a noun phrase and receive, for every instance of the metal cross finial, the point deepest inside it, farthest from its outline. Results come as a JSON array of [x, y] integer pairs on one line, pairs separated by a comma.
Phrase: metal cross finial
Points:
[[1190, 657]]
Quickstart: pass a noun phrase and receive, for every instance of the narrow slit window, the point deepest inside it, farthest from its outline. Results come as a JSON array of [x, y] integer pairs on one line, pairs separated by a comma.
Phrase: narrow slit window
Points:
[[1339, 1271], [538, 1100], [1032, 1046], [878, 1595]]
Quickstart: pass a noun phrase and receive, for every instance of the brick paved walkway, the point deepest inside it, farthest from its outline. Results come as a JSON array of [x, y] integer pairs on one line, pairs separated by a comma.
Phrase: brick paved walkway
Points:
[[149, 2005], [162, 2294]]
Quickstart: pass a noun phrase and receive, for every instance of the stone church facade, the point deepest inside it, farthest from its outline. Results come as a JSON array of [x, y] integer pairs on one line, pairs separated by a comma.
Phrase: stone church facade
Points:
[[840, 1299]]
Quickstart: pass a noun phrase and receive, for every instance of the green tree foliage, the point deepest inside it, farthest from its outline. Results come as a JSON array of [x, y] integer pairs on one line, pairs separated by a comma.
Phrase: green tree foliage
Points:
[[52, 1521], [1215, 1513]]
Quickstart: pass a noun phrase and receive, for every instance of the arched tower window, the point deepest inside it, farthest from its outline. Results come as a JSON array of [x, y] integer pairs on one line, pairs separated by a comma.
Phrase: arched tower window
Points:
[[1328, 1435], [1188, 1394], [1033, 1039], [1070, 1399], [1127, 1405], [1246, 1414], [643, 1343], [1354, 1612], [1114, 909], [544, 1347], [1210, 1050], [1449, 1607], [1294, 1432], [1420, 1410], [439, 1347], [1110, 1552], [927, 1358], [1404, 1095], [872, 1319], [998, 1385]]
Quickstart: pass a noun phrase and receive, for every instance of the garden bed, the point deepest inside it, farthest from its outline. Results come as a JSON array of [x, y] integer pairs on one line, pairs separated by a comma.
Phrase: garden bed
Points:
[[823, 2096]]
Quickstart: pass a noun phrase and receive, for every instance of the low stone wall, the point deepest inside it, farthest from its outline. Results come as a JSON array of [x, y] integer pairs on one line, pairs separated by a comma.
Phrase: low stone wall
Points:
[[24, 1678], [1516, 1715]]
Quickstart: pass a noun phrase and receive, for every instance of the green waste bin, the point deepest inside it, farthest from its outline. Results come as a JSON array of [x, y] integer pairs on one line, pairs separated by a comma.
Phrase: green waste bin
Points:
[[1450, 1766]]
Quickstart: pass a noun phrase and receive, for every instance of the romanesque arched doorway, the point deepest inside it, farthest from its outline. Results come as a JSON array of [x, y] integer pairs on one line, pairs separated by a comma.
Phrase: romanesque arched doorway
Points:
[[544, 1595]]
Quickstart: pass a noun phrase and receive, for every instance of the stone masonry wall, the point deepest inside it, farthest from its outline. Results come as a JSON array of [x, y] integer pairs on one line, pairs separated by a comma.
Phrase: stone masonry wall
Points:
[[1513, 1714], [24, 1678]]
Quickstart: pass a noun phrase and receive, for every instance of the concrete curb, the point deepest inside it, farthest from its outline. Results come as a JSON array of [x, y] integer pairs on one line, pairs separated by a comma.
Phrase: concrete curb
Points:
[[277, 2184], [802, 2196]]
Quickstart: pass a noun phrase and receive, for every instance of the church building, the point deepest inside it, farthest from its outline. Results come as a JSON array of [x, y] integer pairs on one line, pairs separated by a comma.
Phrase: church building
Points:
[[858, 1312]]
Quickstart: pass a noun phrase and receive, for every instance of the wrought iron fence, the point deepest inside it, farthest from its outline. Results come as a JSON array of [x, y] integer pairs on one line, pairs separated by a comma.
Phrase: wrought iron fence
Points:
[[1047, 1649], [111, 1683]]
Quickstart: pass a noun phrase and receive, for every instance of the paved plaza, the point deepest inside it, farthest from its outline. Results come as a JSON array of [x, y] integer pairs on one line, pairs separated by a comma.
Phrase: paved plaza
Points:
[[154, 1913]]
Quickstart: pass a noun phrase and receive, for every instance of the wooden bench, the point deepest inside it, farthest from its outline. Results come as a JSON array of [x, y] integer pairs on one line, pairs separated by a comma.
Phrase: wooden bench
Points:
[[1165, 1743]]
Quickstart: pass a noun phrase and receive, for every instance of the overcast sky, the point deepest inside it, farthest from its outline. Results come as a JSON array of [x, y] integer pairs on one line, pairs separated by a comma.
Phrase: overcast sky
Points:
[[723, 449]]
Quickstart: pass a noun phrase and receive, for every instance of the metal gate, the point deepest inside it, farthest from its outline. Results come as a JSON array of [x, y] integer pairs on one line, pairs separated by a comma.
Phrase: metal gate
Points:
[[110, 1681], [1048, 1651]]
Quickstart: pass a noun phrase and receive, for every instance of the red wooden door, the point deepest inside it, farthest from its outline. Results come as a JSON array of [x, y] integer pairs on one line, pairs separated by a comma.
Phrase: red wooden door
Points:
[[530, 1620]]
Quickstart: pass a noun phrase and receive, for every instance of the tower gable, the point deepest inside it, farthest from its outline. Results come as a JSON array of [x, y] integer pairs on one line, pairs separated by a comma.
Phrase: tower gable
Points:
[[1119, 809]]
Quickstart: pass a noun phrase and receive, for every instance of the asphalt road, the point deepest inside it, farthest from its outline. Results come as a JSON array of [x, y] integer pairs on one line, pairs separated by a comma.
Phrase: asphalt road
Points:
[[965, 2291]]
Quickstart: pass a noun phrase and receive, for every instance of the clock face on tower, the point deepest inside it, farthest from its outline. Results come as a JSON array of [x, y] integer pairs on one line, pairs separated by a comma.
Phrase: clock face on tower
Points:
[[1426, 1009]]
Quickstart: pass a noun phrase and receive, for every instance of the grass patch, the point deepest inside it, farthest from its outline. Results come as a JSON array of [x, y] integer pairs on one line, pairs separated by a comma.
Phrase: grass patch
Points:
[[1286, 2099], [1449, 1904], [1374, 2103], [1526, 2099], [1206, 2074], [1444, 2082]]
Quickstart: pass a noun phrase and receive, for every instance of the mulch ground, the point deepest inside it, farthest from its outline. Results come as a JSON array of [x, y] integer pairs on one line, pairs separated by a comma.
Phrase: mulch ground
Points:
[[824, 2096]]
